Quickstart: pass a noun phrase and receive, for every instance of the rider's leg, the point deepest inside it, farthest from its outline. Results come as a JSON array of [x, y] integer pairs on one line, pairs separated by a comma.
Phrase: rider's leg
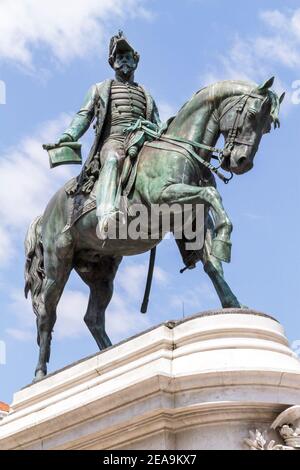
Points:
[[112, 156]]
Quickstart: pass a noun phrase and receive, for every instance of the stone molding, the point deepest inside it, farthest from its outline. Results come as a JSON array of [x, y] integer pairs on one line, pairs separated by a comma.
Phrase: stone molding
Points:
[[234, 368]]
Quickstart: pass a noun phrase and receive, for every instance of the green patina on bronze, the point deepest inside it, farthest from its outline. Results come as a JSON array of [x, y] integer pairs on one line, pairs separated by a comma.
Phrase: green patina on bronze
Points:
[[65, 153], [170, 170]]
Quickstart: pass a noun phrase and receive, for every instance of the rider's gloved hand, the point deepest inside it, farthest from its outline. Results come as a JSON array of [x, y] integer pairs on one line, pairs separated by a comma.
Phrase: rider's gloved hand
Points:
[[65, 138]]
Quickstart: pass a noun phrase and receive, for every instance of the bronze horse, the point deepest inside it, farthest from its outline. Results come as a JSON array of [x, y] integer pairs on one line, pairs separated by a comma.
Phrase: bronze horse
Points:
[[242, 112]]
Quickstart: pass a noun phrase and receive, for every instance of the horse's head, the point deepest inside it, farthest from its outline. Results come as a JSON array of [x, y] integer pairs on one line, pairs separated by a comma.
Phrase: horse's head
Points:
[[243, 120]]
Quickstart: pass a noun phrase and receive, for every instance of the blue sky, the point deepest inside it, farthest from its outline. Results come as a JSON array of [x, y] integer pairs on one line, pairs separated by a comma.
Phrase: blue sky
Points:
[[50, 53]]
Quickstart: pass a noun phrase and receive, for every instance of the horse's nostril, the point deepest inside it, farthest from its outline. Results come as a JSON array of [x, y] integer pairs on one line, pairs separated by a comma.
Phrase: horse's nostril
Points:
[[241, 161]]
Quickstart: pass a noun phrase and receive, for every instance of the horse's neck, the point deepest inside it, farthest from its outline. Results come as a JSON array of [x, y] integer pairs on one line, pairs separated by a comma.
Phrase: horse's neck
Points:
[[196, 121]]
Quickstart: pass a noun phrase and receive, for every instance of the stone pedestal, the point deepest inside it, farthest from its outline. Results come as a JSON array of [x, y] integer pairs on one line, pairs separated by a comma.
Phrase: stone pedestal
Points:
[[200, 383]]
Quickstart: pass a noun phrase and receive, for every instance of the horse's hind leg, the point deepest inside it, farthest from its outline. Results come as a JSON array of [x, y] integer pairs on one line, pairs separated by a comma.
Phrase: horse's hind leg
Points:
[[99, 277], [57, 271]]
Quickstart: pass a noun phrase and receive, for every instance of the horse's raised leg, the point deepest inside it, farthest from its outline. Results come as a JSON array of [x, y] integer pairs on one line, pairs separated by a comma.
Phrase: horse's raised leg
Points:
[[57, 271], [99, 277], [181, 193], [213, 267]]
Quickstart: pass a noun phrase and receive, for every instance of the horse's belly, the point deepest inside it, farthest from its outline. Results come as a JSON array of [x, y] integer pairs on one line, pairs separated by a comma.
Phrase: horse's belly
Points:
[[93, 251], [118, 244]]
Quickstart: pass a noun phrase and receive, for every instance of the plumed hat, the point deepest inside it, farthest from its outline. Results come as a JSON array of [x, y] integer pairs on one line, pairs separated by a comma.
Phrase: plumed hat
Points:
[[119, 43]]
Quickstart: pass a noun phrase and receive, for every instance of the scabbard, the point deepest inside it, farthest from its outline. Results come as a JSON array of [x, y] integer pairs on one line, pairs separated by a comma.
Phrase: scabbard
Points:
[[149, 280]]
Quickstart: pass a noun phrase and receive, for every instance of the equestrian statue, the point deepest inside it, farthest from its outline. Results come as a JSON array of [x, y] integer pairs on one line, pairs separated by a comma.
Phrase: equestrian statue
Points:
[[137, 159]]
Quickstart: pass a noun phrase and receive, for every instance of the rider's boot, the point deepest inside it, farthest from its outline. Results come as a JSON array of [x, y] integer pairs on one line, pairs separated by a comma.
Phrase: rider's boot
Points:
[[106, 193]]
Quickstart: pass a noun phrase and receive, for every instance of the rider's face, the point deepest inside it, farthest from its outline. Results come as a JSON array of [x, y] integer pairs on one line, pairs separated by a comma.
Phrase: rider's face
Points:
[[125, 62]]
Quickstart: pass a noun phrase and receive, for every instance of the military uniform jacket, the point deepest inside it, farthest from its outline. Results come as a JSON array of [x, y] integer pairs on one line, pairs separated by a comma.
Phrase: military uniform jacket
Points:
[[96, 105]]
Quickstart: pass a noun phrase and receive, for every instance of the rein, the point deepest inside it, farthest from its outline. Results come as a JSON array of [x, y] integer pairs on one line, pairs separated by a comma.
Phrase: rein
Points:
[[158, 136], [201, 160]]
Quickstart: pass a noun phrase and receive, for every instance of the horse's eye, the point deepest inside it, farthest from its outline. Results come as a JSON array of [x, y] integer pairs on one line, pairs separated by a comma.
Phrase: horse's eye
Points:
[[251, 113]]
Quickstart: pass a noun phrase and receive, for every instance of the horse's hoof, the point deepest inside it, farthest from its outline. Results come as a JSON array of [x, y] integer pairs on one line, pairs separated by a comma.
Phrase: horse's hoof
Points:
[[234, 303], [39, 375], [221, 250]]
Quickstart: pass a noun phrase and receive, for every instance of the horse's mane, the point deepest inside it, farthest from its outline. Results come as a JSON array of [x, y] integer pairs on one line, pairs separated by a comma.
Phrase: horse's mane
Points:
[[275, 105], [233, 88]]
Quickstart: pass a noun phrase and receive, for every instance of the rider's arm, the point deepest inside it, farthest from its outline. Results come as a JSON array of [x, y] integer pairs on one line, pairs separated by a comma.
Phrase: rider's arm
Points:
[[82, 119]]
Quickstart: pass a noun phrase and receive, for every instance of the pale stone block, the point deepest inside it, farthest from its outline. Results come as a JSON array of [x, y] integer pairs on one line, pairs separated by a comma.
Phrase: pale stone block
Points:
[[200, 383]]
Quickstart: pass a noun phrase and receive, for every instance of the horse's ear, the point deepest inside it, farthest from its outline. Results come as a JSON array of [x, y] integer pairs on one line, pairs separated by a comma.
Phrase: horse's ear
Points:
[[263, 88], [281, 97]]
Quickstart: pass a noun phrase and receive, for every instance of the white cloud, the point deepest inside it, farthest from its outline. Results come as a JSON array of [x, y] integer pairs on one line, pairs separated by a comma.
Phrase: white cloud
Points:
[[123, 320], [22, 317], [166, 110], [122, 317], [132, 278], [284, 24], [26, 179], [70, 313], [68, 29], [195, 298], [282, 44], [20, 335], [243, 61], [255, 58], [275, 49], [2, 92], [7, 250], [160, 275]]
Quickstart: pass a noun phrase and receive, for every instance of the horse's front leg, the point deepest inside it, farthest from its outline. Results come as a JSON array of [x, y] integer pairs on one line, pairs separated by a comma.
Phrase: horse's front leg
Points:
[[181, 193], [213, 268]]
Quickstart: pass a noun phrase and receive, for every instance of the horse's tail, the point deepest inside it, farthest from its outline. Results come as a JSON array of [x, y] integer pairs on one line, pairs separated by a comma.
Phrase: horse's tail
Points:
[[34, 267]]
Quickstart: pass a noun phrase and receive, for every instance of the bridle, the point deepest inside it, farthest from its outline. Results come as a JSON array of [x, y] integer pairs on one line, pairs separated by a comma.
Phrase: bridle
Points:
[[238, 122]]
